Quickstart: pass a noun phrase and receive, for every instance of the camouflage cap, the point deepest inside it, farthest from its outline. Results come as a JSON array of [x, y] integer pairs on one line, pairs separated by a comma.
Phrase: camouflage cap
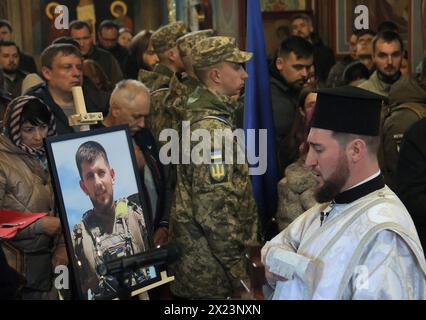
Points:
[[187, 42], [214, 50], [165, 37]]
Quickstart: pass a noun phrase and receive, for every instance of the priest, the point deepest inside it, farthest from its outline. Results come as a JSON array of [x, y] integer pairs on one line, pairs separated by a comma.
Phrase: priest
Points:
[[359, 241]]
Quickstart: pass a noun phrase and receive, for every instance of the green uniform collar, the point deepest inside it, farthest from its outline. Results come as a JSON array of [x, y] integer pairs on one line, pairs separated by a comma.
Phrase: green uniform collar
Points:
[[163, 70], [205, 102], [180, 85]]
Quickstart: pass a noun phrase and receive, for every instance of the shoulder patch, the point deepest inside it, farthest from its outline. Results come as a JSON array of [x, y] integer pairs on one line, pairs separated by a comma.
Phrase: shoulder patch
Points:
[[218, 172]]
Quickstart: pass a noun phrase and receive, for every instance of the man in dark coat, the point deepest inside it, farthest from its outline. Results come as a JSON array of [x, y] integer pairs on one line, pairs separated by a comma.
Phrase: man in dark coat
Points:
[[302, 26], [108, 40], [411, 176], [26, 62], [289, 73]]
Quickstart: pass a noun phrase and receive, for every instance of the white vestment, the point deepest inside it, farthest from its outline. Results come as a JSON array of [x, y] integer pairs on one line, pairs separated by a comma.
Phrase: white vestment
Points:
[[367, 249]]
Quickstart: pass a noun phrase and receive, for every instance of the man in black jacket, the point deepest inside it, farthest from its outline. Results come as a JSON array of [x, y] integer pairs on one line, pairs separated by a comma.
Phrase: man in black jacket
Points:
[[9, 62], [108, 40], [411, 176], [81, 32], [62, 70], [26, 62], [301, 25], [289, 73]]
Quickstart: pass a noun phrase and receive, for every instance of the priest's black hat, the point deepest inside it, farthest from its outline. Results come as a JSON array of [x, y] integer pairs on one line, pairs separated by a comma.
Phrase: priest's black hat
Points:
[[348, 109]]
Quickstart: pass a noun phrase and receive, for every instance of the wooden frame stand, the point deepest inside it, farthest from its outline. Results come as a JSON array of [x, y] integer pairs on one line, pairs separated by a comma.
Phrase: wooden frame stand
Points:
[[143, 292]]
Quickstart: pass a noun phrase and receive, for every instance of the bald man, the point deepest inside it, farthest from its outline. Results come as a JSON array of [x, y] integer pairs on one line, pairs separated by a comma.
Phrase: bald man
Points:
[[130, 105]]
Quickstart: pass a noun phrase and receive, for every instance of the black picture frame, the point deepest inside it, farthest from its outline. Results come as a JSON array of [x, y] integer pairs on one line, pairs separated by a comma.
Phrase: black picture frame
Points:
[[61, 152]]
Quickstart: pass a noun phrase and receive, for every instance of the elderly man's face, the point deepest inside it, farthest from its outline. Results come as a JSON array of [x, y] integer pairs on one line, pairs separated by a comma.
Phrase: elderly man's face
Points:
[[133, 114], [328, 162]]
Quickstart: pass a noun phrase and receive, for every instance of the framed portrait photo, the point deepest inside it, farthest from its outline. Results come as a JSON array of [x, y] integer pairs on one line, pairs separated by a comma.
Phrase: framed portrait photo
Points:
[[101, 209]]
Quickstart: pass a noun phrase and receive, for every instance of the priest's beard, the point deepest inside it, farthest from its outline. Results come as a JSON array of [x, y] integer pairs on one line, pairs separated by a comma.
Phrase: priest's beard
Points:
[[334, 184]]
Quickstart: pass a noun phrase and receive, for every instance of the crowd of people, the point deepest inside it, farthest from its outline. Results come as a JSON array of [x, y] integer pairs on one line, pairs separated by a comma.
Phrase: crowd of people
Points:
[[349, 150]]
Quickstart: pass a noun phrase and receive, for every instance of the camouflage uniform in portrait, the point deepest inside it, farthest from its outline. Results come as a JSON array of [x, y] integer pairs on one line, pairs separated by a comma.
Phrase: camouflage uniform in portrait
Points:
[[93, 247], [214, 213]]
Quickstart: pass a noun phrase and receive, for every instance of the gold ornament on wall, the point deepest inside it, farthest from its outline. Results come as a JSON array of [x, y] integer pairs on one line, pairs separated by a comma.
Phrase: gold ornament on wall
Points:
[[118, 5], [50, 9]]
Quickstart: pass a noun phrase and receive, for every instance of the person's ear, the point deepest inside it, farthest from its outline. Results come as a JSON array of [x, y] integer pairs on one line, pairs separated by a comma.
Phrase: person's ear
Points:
[[280, 63], [83, 187], [115, 111], [112, 172], [170, 55], [215, 76], [46, 72], [357, 150]]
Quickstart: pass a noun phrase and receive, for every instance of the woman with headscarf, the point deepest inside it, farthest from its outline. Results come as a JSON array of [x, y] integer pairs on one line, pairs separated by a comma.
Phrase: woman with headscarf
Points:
[[25, 186]]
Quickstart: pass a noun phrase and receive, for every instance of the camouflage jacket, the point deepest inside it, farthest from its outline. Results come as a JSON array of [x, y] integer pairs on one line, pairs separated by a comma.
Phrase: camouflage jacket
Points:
[[408, 105], [214, 213], [157, 79], [375, 85], [167, 104]]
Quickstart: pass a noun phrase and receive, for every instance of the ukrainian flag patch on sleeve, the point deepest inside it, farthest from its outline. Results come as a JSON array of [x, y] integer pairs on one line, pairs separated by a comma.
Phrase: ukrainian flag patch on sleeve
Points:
[[218, 173]]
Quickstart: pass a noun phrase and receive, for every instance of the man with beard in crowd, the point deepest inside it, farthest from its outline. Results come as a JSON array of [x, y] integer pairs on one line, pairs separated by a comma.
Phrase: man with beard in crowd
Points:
[[387, 56], [9, 62], [289, 73], [359, 241], [302, 26]]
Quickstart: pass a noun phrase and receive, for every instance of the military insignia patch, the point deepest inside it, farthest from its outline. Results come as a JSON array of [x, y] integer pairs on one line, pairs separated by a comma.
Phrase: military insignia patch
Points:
[[218, 173]]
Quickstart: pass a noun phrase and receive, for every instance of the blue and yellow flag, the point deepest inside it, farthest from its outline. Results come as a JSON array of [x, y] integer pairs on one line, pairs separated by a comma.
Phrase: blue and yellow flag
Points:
[[258, 114]]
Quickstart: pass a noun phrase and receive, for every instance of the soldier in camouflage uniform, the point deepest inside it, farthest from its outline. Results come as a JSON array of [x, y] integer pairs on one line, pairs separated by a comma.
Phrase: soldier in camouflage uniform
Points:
[[214, 213], [164, 43], [112, 229], [168, 102]]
